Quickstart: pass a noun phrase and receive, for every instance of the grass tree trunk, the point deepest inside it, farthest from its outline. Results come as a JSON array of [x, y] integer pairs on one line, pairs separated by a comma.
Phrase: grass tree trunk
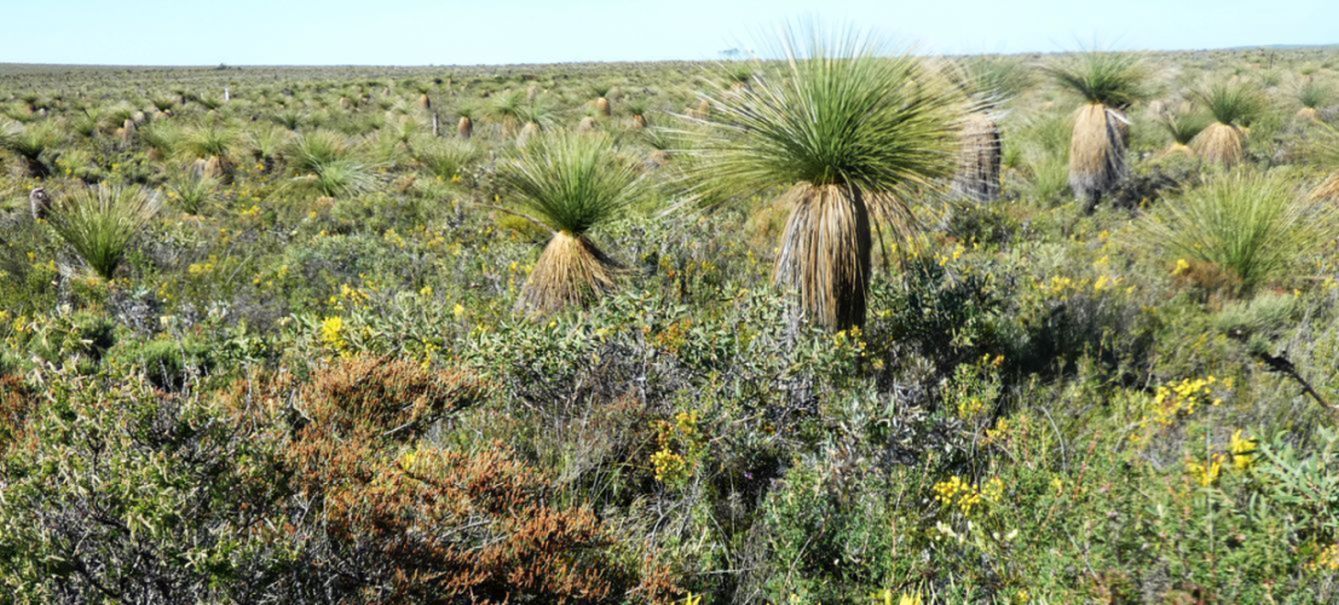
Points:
[[529, 131], [570, 272], [1222, 144], [825, 255], [978, 176], [1097, 153], [1327, 190]]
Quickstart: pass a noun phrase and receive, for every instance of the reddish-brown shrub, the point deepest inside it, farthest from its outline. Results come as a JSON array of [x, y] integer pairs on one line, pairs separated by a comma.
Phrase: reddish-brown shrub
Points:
[[411, 522], [15, 401]]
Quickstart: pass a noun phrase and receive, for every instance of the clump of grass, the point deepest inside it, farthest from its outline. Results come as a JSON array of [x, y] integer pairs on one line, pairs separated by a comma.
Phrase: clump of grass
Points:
[[1109, 83], [323, 160], [535, 117], [1313, 96], [1325, 152], [344, 178], [571, 184], [35, 145], [210, 141], [100, 222], [739, 74], [508, 109], [852, 136], [637, 109], [309, 151], [1253, 226], [160, 138], [447, 159], [192, 192]]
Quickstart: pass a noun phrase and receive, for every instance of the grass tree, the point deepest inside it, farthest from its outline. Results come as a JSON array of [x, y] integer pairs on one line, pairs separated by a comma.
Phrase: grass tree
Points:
[[324, 160], [508, 108], [1313, 96], [991, 82], [1326, 152], [602, 105], [34, 144], [637, 109], [1109, 84], [535, 117], [570, 184], [1241, 230], [210, 148], [852, 137], [465, 125], [1232, 104], [100, 222], [1182, 125]]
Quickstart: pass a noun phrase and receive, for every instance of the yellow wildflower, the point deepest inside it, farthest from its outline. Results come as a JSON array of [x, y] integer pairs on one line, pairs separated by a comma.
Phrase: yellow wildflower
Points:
[[1182, 265], [1243, 450], [332, 333], [1206, 474]]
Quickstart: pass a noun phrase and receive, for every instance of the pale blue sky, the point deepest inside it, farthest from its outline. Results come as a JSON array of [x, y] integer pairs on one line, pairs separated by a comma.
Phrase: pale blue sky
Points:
[[421, 32]]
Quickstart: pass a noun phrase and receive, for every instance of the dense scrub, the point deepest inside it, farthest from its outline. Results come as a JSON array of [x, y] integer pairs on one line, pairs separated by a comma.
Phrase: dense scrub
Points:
[[306, 377]]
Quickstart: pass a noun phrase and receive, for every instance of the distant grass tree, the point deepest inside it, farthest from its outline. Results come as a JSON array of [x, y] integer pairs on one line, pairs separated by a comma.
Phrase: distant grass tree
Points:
[[853, 137], [1109, 83], [1313, 96], [1182, 126], [100, 222], [570, 184], [1232, 105]]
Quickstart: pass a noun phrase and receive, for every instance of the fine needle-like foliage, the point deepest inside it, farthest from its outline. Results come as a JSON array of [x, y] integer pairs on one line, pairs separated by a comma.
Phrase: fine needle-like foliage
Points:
[[571, 184], [991, 83], [1313, 96], [1325, 152], [1115, 80], [851, 136], [1109, 83], [32, 144], [1231, 102], [995, 80], [1248, 225], [100, 222], [1182, 126]]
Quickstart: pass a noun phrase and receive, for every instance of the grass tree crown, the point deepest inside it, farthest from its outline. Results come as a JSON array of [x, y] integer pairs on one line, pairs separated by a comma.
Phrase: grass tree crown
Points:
[[835, 111], [1115, 80], [571, 182]]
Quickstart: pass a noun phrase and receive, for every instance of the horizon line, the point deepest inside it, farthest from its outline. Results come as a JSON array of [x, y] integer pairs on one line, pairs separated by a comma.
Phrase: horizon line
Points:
[[224, 64]]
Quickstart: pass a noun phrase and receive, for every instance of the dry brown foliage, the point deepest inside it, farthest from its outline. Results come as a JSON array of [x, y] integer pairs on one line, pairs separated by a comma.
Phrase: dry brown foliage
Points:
[[408, 521]]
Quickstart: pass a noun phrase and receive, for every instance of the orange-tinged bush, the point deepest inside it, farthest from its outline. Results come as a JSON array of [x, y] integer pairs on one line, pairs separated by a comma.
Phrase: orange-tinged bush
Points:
[[413, 522]]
